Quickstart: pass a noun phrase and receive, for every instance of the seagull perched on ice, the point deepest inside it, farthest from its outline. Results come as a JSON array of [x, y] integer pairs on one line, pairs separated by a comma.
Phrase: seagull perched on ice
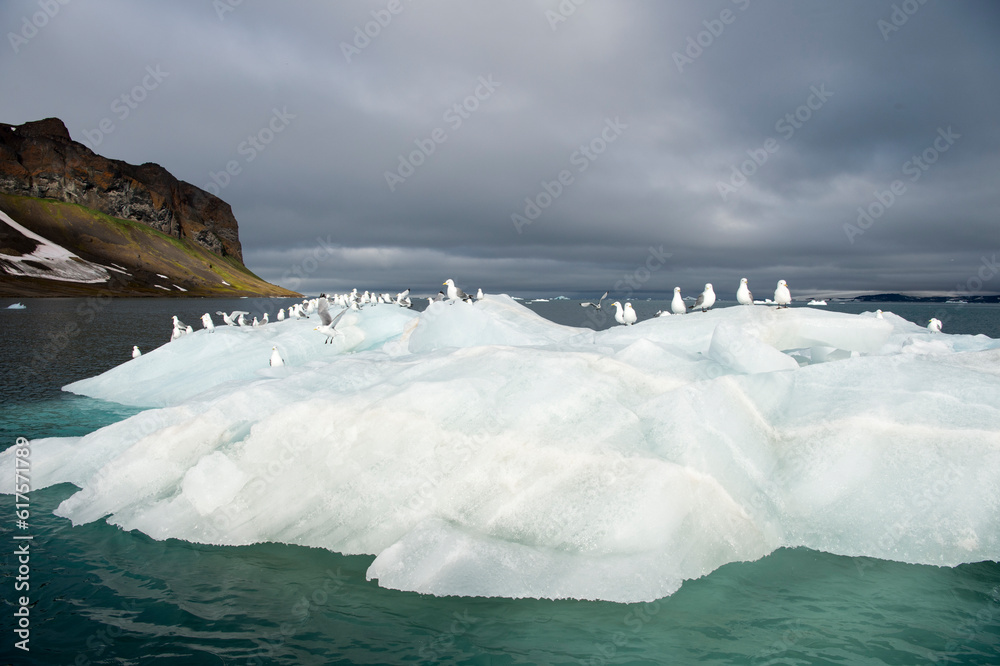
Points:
[[706, 299], [934, 325], [743, 295], [629, 315], [206, 321], [619, 313], [597, 305], [276, 359], [677, 305], [454, 292], [281, 314], [329, 323], [179, 330], [782, 297], [135, 351], [878, 314]]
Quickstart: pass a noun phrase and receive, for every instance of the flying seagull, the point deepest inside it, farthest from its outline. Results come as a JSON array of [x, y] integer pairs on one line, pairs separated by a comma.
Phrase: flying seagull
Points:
[[329, 323], [597, 305], [230, 319]]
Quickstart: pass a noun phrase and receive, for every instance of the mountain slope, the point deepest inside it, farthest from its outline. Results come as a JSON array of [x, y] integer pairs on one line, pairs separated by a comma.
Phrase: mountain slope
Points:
[[147, 232], [39, 159], [137, 260]]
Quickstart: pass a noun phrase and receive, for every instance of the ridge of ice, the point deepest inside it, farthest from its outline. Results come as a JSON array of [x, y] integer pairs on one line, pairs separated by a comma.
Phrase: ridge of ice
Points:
[[479, 449]]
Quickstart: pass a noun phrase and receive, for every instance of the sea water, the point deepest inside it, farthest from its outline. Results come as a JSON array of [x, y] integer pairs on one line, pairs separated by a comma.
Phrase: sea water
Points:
[[104, 595]]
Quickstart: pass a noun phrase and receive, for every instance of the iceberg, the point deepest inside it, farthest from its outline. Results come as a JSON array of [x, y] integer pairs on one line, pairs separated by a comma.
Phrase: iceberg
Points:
[[478, 449]]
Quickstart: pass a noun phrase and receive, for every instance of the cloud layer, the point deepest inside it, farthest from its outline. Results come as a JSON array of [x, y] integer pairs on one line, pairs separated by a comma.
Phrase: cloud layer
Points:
[[551, 146]]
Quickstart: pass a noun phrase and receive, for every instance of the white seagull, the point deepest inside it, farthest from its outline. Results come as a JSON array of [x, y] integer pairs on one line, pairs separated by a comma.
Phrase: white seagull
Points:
[[706, 299], [135, 352], [329, 323], [230, 319], [782, 297], [206, 321], [677, 305], [630, 316], [619, 313], [276, 359], [743, 295], [934, 325], [454, 292]]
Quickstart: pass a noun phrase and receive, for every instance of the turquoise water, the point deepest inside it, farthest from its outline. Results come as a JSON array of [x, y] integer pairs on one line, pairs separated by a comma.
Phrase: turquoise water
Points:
[[105, 596]]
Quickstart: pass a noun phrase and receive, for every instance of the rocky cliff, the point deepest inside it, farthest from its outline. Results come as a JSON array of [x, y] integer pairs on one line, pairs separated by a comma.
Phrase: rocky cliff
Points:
[[39, 159], [74, 223]]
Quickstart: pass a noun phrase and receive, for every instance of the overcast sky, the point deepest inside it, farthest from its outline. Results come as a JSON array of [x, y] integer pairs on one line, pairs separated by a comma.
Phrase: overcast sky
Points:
[[551, 147]]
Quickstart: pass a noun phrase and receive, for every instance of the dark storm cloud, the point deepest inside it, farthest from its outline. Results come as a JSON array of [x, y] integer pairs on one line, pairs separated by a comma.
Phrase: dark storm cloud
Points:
[[739, 137]]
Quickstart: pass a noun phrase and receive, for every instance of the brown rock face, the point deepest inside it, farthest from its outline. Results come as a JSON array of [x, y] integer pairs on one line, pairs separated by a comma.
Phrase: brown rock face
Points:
[[39, 159]]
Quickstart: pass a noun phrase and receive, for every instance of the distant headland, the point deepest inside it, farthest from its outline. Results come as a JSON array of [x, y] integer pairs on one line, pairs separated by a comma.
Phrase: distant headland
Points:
[[75, 223]]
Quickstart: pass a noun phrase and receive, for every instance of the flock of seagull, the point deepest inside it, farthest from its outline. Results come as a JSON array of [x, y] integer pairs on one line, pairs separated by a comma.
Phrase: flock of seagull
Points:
[[319, 306], [624, 314], [706, 299]]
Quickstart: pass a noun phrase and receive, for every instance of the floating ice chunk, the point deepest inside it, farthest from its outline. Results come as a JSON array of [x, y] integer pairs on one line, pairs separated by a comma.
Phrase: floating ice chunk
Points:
[[477, 449], [195, 363]]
